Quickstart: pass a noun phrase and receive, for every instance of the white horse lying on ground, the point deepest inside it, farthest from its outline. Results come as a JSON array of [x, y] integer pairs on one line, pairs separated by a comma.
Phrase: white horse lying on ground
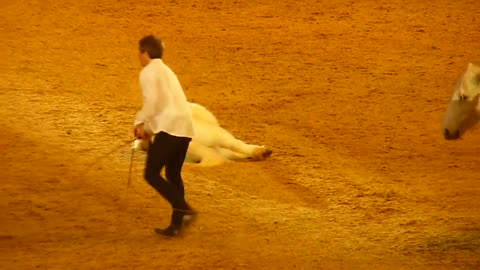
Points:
[[463, 111], [212, 144]]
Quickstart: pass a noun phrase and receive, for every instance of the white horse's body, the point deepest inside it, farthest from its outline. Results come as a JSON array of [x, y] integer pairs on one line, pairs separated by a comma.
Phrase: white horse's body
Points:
[[213, 145], [463, 111]]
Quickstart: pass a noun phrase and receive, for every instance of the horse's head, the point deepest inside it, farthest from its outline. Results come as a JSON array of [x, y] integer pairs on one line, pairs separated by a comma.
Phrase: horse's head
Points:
[[463, 111]]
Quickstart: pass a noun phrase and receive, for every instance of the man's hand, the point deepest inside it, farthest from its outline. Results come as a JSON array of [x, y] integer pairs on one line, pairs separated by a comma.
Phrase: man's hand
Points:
[[139, 131]]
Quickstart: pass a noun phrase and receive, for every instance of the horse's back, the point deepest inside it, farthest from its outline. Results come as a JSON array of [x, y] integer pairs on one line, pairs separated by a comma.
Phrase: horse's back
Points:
[[205, 125], [200, 113]]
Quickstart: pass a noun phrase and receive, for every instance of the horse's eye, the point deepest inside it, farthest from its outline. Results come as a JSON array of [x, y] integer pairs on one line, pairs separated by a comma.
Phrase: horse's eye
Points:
[[463, 97]]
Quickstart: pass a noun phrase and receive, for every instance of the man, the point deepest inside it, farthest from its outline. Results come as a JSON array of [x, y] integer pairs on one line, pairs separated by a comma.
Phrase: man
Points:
[[166, 115]]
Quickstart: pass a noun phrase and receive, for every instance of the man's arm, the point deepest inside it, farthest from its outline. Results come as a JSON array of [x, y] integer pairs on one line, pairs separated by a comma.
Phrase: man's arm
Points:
[[149, 92]]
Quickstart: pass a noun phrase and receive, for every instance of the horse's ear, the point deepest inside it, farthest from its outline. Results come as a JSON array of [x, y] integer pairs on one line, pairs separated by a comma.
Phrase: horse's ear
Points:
[[472, 70], [475, 69]]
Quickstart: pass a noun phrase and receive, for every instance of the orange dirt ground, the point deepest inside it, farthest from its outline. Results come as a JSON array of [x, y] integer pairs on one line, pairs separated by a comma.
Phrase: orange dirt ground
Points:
[[350, 96]]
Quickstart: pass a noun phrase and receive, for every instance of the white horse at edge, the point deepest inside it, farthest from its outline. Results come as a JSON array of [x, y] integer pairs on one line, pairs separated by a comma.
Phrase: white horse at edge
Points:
[[463, 111], [214, 145]]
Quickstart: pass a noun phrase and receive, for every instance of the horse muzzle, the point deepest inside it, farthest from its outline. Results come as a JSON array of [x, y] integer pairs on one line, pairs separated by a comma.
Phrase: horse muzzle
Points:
[[448, 135]]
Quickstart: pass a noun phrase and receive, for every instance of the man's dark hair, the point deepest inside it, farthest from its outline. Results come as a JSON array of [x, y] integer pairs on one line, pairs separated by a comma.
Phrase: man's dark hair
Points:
[[152, 45]]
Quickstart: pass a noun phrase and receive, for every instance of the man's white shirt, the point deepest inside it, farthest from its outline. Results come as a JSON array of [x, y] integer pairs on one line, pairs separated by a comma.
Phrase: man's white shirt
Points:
[[165, 107]]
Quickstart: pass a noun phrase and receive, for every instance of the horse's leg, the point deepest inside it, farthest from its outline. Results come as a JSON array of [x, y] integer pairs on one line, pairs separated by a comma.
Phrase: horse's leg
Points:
[[216, 136], [231, 155]]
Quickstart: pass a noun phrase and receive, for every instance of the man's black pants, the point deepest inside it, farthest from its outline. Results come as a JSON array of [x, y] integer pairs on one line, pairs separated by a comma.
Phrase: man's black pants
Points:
[[168, 151]]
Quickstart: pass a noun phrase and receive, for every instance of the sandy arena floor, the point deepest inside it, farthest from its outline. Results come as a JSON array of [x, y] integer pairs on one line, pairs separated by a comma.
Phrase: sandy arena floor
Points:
[[350, 96]]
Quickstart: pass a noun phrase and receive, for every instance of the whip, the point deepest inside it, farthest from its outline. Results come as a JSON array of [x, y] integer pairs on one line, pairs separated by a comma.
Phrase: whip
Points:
[[134, 146]]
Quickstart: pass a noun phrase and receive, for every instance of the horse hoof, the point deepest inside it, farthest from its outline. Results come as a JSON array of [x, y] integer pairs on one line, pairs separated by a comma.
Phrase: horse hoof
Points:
[[267, 153], [261, 153]]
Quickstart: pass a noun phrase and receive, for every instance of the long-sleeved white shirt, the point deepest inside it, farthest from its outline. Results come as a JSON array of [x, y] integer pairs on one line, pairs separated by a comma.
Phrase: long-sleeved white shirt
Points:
[[165, 107]]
